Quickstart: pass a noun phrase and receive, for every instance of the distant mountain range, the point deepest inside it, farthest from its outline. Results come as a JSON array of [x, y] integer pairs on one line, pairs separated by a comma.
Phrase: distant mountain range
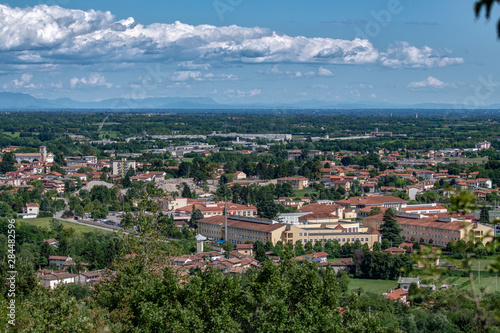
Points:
[[19, 101]]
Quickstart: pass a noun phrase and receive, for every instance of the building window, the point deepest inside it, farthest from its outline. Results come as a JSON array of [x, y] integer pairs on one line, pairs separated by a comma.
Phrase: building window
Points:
[[300, 234]]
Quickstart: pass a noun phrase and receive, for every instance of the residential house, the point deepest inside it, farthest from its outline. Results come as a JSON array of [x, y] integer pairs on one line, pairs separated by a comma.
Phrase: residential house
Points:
[[52, 280], [317, 257], [394, 250], [90, 277], [59, 261], [240, 175], [293, 154], [405, 282], [32, 209], [52, 242], [245, 249], [400, 295], [344, 264], [298, 183]]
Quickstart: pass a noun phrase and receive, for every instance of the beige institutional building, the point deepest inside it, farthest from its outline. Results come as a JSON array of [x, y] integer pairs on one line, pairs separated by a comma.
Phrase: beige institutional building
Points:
[[250, 229], [442, 228]]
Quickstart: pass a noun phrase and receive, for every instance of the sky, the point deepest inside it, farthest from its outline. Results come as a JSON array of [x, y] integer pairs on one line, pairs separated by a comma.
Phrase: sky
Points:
[[252, 52]]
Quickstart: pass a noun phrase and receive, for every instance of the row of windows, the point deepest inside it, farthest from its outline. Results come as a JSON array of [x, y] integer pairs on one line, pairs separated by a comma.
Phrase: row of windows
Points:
[[348, 230], [437, 242], [245, 237], [348, 239], [247, 231], [244, 213], [254, 213], [410, 226], [429, 235], [209, 231]]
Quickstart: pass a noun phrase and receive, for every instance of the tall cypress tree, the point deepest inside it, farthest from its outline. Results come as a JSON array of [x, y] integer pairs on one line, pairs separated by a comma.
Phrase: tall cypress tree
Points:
[[7, 163], [390, 230], [484, 217]]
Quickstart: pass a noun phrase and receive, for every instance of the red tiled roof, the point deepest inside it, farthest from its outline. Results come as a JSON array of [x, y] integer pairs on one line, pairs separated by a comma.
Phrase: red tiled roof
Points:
[[430, 221], [397, 294], [234, 222], [217, 207], [244, 246], [395, 250], [58, 258], [319, 208], [373, 200]]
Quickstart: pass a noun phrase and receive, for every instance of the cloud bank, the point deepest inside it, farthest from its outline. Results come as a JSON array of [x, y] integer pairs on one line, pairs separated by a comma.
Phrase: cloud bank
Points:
[[54, 35], [429, 82]]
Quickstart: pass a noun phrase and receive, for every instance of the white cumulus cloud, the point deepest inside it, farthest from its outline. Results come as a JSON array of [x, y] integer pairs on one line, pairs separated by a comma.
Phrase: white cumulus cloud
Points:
[[404, 55], [324, 72], [242, 93], [25, 78], [199, 76], [93, 80], [429, 82], [54, 35], [191, 65]]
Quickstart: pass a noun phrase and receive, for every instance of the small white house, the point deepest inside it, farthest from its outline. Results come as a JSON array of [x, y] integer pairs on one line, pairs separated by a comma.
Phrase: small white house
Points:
[[239, 175], [89, 277], [59, 261], [32, 209], [54, 279], [405, 282]]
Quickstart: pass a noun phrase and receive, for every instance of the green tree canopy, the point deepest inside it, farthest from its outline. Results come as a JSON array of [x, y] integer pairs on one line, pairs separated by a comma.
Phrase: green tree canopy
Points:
[[390, 230]]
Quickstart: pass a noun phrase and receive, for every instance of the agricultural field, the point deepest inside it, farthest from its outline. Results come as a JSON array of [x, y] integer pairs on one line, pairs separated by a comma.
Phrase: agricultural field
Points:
[[44, 222], [372, 286]]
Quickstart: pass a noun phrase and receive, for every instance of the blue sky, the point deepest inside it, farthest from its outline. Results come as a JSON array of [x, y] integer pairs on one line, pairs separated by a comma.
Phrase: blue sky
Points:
[[242, 51]]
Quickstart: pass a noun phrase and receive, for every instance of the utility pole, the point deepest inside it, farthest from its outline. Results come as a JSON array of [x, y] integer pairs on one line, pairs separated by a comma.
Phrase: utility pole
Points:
[[495, 209], [225, 218], [369, 311], [479, 271]]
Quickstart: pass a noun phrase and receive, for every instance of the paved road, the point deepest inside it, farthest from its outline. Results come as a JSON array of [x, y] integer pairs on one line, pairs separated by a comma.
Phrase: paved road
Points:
[[96, 225], [89, 223]]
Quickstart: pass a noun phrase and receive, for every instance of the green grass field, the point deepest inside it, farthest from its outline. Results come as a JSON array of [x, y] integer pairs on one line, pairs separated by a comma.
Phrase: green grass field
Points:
[[489, 283], [372, 286], [484, 262], [12, 135], [44, 222], [110, 134]]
